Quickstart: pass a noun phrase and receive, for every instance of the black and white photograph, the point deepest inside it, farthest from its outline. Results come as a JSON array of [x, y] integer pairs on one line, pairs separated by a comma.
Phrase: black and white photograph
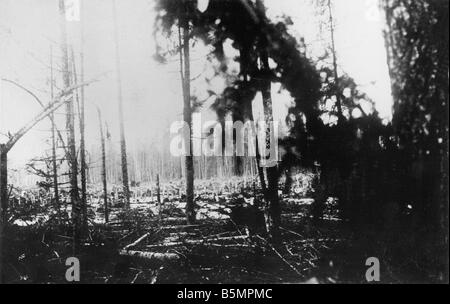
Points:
[[222, 142]]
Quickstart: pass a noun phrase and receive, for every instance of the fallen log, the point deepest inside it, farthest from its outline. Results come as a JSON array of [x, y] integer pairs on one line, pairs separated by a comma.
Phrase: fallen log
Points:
[[137, 241], [320, 240], [175, 244], [174, 219], [148, 255], [197, 242], [176, 227]]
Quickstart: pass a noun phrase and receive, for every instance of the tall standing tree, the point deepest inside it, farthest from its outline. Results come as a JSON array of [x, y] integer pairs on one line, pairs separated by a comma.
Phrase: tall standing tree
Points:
[[335, 65], [70, 126], [83, 164], [417, 42], [123, 144], [54, 140], [273, 214], [104, 182], [256, 38], [185, 70], [180, 19]]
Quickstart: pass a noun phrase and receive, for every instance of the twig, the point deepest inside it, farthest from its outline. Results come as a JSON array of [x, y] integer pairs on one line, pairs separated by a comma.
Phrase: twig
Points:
[[136, 276], [293, 232], [281, 257]]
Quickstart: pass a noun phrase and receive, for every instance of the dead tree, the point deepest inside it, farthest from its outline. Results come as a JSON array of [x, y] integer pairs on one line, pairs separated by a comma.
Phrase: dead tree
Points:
[[3, 199], [335, 70], [123, 145], [187, 115], [54, 141], [158, 192], [83, 167], [61, 99], [50, 116], [273, 208], [82, 131], [70, 126], [105, 189]]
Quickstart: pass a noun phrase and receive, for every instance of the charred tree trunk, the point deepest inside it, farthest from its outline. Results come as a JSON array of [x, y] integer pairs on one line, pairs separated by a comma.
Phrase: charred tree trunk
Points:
[[273, 208], [3, 200], [105, 187], [187, 115], [245, 72], [70, 126], [82, 134], [123, 145], [80, 104], [336, 74], [158, 195], [54, 140]]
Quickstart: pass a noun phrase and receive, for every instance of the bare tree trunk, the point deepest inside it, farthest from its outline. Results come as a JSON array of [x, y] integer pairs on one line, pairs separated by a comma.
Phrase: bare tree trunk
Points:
[[259, 167], [105, 189], [187, 115], [70, 126], [82, 131], [244, 71], [158, 195], [54, 140], [3, 200], [5, 148], [123, 145], [273, 208], [80, 104], [336, 75]]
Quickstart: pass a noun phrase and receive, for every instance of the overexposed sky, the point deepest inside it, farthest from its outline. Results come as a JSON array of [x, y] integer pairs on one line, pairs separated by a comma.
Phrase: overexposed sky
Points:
[[151, 91]]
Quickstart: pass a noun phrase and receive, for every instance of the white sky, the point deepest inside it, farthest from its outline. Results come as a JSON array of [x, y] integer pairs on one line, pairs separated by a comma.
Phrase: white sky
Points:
[[152, 92]]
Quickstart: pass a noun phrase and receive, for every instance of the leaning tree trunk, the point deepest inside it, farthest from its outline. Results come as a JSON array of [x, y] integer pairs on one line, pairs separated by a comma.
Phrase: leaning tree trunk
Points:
[[187, 115], [5, 148]]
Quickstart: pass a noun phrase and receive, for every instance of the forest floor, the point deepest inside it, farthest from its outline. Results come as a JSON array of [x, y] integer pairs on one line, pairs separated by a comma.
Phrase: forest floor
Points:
[[151, 243]]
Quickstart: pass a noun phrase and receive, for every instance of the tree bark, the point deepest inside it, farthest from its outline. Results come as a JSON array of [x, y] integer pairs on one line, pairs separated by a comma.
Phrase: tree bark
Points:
[[154, 256]]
